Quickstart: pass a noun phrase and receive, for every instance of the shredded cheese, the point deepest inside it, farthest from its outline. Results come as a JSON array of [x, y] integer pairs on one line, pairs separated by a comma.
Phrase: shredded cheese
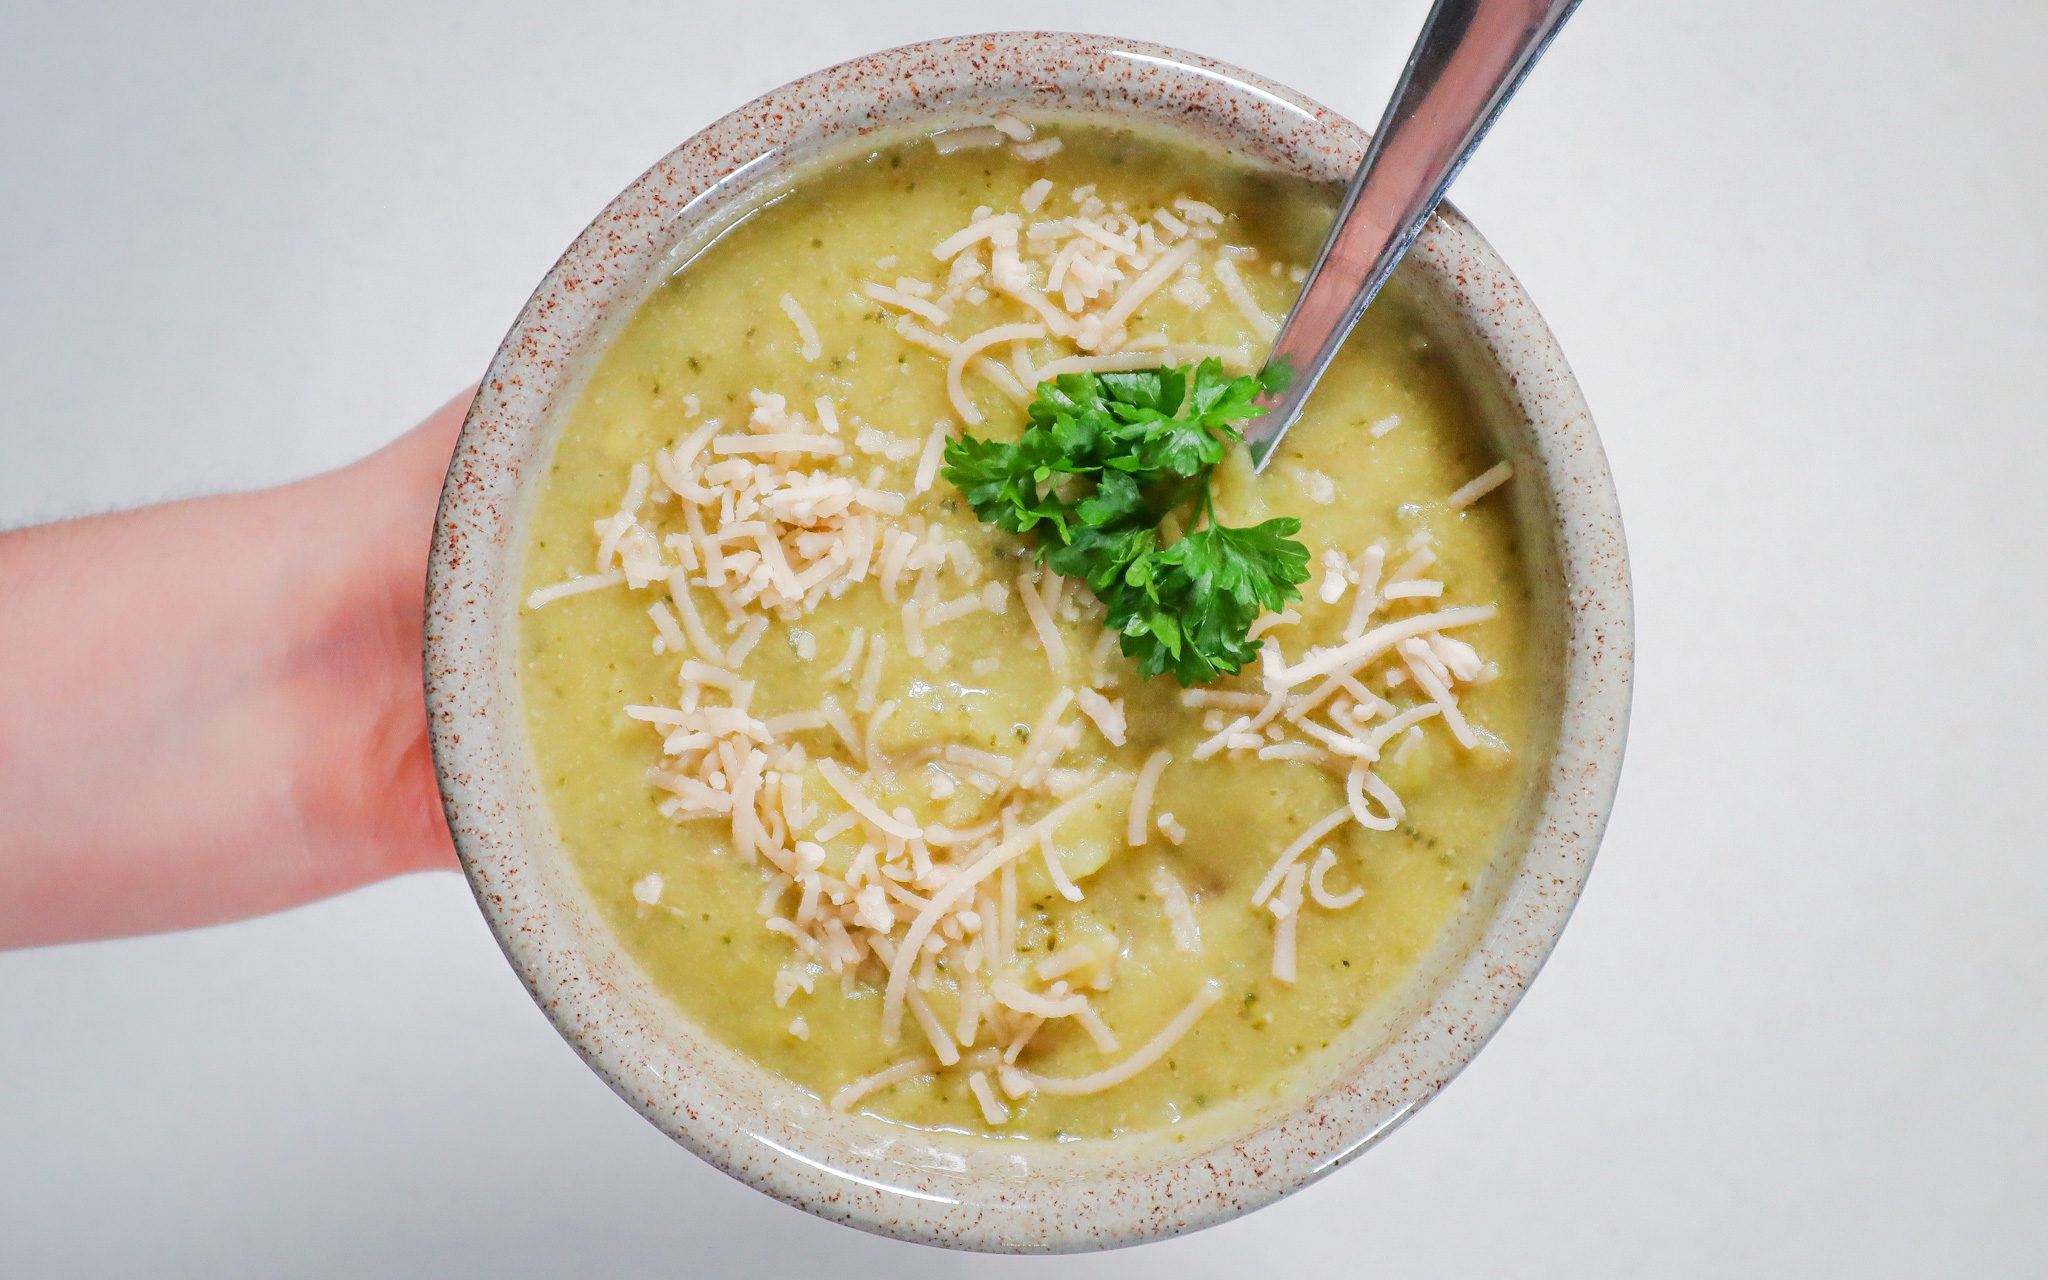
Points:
[[1180, 909], [1240, 296], [992, 1109], [1362, 782], [573, 587], [1137, 831], [1479, 486], [855, 1090], [1042, 623], [806, 332], [1286, 908], [1320, 892], [1108, 715]]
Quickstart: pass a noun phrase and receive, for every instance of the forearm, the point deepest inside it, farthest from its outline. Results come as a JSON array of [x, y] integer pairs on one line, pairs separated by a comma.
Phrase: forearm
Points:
[[212, 708]]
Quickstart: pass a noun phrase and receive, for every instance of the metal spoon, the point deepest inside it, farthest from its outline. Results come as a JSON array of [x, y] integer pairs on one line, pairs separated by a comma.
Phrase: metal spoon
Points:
[[1468, 61]]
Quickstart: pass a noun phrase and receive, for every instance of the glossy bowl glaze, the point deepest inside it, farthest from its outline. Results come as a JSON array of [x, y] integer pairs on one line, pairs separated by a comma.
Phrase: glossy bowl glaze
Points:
[[949, 1189]]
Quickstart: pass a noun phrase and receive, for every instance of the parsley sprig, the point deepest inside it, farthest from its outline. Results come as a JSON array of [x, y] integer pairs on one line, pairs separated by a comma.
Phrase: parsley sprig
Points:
[[1105, 458]]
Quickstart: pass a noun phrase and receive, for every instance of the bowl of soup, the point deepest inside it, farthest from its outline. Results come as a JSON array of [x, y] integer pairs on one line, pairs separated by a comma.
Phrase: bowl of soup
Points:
[[876, 860]]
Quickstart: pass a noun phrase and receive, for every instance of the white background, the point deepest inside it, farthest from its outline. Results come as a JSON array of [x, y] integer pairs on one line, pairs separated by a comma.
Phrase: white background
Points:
[[1795, 254]]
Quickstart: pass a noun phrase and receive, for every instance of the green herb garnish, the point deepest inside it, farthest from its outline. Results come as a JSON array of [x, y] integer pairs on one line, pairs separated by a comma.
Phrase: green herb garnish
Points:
[[1106, 458]]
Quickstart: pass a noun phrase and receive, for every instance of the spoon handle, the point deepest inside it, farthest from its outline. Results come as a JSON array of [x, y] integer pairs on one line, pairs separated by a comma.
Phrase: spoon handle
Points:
[[1468, 61]]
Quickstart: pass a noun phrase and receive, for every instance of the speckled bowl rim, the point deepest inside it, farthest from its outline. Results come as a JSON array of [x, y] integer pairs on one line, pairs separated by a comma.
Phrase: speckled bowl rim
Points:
[[761, 1130]]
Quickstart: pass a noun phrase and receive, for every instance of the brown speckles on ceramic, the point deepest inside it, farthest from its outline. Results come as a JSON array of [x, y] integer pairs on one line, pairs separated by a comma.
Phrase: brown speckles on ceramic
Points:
[[946, 1189]]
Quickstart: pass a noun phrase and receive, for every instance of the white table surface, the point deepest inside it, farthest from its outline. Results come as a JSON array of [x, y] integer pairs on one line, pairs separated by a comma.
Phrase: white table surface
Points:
[[1795, 254]]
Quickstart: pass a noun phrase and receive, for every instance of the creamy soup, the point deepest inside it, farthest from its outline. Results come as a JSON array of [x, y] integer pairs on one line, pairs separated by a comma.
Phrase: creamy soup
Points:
[[873, 797]]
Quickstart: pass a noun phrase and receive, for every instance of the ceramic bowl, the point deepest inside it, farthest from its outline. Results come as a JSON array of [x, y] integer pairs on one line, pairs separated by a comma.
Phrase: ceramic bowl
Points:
[[950, 1189]]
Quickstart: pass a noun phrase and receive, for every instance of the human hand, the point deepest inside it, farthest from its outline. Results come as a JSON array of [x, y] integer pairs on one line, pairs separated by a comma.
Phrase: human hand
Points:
[[213, 709]]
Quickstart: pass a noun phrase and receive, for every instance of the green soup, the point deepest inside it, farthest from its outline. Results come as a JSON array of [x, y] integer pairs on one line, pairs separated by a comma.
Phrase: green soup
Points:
[[834, 290]]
